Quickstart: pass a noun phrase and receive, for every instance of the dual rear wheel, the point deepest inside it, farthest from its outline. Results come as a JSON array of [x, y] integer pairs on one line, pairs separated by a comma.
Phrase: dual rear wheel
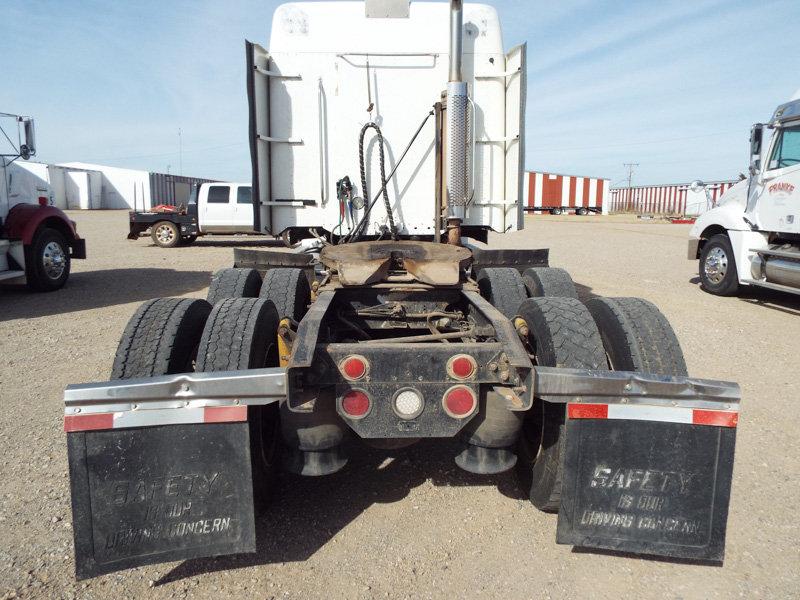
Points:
[[234, 329], [622, 334]]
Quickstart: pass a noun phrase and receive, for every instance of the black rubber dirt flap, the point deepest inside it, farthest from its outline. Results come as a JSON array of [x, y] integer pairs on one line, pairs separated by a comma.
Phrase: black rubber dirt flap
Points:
[[155, 494], [647, 487]]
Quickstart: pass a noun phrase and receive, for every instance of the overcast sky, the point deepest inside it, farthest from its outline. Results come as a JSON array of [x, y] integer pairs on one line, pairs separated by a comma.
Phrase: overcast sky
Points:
[[673, 86]]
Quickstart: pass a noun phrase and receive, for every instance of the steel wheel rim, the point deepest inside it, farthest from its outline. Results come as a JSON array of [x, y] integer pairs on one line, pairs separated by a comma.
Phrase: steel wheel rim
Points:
[[715, 266], [54, 260], [165, 234]]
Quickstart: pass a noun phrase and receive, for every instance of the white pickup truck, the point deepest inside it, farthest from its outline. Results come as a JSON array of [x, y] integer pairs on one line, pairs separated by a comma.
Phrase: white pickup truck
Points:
[[221, 208]]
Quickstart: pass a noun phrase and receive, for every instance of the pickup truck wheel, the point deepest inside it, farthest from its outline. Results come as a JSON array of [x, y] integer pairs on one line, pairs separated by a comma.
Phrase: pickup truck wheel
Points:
[[561, 333], [289, 291], [47, 261], [549, 281], [161, 338], [503, 288], [242, 333], [165, 234], [637, 336], [233, 283], [718, 274]]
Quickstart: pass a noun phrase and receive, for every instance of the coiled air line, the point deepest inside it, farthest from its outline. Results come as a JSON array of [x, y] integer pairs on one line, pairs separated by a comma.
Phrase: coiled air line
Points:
[[392, 228]]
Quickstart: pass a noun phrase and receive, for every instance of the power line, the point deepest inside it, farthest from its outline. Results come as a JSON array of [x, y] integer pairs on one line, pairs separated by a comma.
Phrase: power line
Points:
[[630, 167]]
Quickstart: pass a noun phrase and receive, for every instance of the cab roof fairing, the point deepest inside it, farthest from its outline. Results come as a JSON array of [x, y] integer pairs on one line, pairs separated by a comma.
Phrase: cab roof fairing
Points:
[[788, 112]]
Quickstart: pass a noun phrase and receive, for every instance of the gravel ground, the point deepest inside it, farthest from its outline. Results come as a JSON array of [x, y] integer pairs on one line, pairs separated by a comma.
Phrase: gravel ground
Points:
[[412, 525]]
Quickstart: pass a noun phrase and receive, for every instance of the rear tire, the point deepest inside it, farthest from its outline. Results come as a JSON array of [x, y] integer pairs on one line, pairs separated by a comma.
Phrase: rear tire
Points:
[[47, 261], [717, 269], [241, 334], [503, 288], [233, 283], [562, 333], [165, 234], [581, 211], [637, 336], [161, 338], [289, 291], [549, 282]]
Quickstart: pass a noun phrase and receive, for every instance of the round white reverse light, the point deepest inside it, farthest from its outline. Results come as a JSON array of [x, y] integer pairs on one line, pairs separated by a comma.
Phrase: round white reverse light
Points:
[[408, 404]]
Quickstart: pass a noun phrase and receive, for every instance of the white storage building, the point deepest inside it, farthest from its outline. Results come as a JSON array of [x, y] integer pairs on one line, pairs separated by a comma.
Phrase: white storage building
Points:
[[77, 185]]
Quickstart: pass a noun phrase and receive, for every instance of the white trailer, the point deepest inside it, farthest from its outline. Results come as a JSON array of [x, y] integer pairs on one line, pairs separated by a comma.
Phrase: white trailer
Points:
[[752, 238]]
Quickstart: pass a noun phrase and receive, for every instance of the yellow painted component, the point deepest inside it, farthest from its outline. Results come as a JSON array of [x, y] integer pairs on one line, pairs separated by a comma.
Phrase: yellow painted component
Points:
[[521, 325], [284, 347]]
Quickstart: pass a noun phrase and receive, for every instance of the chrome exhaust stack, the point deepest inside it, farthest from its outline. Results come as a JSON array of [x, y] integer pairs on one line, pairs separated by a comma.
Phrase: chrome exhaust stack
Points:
[[457, 131]]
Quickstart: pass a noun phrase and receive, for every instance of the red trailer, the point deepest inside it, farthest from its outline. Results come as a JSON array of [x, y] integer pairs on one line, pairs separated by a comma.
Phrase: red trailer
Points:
[[558, 194]]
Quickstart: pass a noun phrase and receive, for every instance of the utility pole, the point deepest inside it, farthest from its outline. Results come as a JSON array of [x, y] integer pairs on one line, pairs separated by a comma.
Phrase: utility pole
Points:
[[180, 153], [630, 167]]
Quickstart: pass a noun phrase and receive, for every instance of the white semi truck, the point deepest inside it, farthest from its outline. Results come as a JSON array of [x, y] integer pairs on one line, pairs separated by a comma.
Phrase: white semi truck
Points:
[[37, 240], [752, 237], [399, 329]]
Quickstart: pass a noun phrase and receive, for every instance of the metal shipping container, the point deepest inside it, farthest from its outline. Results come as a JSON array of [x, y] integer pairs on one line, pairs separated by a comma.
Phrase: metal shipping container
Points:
[[172, 189]]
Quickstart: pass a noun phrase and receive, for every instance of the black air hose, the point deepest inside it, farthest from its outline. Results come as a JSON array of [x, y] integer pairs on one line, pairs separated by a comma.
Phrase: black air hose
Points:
[[364, 192], [355, 233]]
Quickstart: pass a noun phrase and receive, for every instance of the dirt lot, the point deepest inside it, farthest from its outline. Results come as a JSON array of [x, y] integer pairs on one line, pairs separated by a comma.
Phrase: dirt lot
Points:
[[414, 525]]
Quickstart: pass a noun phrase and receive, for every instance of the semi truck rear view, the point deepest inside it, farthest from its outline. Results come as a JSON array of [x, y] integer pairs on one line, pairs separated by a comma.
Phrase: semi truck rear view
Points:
[[385, 156]]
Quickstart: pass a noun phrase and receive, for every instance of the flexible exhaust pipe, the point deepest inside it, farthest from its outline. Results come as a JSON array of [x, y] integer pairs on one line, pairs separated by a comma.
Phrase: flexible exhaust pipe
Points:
[[457, 106]]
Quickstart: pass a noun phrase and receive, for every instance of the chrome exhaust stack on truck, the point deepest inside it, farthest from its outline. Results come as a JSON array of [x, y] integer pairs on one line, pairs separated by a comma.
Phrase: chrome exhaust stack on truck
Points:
[[458, 142]]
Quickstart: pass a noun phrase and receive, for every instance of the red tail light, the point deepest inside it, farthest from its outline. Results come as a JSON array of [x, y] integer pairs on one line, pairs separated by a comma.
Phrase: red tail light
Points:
[[459, 401], [355, 404], [43, 201], [354, 367], [461, 366]]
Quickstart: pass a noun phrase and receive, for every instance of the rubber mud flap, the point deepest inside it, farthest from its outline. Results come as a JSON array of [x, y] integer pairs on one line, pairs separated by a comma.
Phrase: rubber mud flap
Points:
[[154, 494], [647, 487]]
